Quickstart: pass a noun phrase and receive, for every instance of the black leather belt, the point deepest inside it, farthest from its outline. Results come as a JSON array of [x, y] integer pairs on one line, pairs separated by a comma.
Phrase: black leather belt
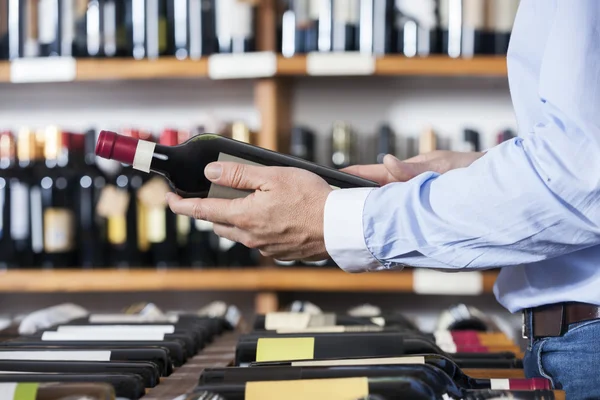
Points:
[[554, 319]]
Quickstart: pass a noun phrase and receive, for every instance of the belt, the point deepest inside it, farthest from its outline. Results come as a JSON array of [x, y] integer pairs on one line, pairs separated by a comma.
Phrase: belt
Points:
[[554, 319]]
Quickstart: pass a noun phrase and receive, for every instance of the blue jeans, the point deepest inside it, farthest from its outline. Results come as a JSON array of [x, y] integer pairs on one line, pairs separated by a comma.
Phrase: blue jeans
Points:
[[571, 361]]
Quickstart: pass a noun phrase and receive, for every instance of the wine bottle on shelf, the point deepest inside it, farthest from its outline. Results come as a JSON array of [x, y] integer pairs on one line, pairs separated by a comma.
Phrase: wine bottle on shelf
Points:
[[202, 28], [23, 29], [177, 33], [109, 17], [193, 156], [135, 26], [471, 140], [161, 222], [294, 22], [451, 21], [386, 142], [91, 227], [325, 26], [342, 145], [505, 135], [303, 143], [8, 252], [427, 141], [500, 18], [384, 36], [311, 32], [88, 17], [417, 28], [234, 26], [49, 25], [4, 32], [57, 198], [346, 14], [157, 27], [463, 23]]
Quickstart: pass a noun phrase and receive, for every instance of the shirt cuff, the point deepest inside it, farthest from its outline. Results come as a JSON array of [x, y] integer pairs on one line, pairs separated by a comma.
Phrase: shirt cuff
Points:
[[343, 230]]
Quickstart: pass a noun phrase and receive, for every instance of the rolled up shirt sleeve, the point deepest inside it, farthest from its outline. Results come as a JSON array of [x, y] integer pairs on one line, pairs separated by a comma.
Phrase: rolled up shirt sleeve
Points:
[[524, 201]]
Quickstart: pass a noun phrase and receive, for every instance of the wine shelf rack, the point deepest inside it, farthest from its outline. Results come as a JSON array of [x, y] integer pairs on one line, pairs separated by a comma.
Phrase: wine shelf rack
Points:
[[171, 68], [239, 279]]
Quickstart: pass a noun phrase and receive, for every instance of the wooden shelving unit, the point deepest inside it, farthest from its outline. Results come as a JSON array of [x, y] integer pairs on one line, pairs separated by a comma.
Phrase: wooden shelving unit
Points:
[[242, 279]]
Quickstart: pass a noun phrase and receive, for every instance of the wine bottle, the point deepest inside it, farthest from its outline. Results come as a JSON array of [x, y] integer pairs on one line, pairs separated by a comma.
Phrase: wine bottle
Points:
[[23, 29], [384, 36], [202, 28], [302, 143], [325, 26], [198, 152], [427, 141], [49, 25], [109, 18], [135, 26], [311, 32], [342, 145], [500, 18], [8, 251], [471, 140], [4, 32], [58, 198], [91, 227], [161, 222], [294, 22], [157, 27], [242, 34], [321, 389], [46, 391], [417, 28], [89, 28], [177, 34], [386, 142], [474, 16], [505, 135], [346, 15], [451, 22]]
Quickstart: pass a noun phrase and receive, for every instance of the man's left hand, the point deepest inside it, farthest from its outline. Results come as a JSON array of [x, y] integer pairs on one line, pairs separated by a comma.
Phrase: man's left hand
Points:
[[283, 217]]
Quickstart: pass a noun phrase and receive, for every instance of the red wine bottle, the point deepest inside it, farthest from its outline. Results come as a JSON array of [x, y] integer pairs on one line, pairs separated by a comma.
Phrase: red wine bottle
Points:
[[184, 165], [8, 252], [57, 196]]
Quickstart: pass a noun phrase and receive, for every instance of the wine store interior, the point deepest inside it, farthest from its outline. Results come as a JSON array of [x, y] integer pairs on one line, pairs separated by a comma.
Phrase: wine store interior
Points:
[[105, 293]]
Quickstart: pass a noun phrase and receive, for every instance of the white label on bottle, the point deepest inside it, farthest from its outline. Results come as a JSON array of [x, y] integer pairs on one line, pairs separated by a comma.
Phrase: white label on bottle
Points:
[[455, 23], [37, 227], [225, 244], [360, 361], [474, 13], [130, 318], [286, 320], [443, 337], [56, 355], [501, 15], [426, 281], [117, 328], [152, 29], [241, 24], [110, 28], [19, 206], [242, 65], [326, 319], [347, 63], [224, 9], [95, 336], [143, 155], [47, 21], [314, 9], [203, 226], [7, 390], [499, 384], [68, 27], [379, 321], [195, 30], [317, 329], [48, 69]]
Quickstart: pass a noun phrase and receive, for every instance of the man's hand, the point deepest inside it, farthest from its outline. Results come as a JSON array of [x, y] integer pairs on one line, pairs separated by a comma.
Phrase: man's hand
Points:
[[283, 217], [394, 170]]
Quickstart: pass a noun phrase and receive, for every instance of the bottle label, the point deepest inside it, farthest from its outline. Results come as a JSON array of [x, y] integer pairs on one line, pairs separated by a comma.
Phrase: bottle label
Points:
[[19, 206], [58, 230], [18, 391], [184, 225], [361, 361], [143, 156], [474, 14], [113, 202], [501, 15], [157, 224], [37, 227], [314, 389], [110, 28], [142, 227], [285, 349], [153, 193], [117, 229], [286, 320]]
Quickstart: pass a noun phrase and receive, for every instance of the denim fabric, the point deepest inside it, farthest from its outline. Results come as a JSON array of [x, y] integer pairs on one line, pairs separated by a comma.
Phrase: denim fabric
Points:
[[570, 361]]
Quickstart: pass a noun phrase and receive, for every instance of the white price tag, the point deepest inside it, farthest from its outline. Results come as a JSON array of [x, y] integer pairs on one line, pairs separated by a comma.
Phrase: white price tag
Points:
[[426, 281], [286, 320], [43, 69], [242, 65], [347, 63]]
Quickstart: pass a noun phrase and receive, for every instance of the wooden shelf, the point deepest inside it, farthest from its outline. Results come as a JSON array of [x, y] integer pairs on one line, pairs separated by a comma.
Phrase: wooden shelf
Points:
[[172, 68], [242, 279]]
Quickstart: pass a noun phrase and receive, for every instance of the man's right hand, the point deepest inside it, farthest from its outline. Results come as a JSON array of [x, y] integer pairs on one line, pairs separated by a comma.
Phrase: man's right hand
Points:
[[394, 170]]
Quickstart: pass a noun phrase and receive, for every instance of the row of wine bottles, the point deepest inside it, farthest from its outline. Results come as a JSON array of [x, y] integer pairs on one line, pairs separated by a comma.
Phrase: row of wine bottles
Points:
[[360, 354], [197, 28], [60, 206], [125, 28], [413, 28]]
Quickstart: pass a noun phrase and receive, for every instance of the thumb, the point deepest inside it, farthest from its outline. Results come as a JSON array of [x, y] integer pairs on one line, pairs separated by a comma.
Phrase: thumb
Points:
[[403, 171], [237, 176]]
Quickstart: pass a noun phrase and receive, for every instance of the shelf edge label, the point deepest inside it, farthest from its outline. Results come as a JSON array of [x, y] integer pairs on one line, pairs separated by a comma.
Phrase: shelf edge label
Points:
[[243, 65], [426, 281], [43, 69], [340, 64]]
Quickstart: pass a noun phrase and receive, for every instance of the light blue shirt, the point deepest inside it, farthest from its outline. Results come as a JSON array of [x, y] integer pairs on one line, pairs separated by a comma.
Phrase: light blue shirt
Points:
[[530, 205]]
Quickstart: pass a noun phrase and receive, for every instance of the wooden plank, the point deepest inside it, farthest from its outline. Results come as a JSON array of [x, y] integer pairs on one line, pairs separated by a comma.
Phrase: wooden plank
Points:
[[441, 66], [295, 66], [247, 279], [266, 25], [4, 71], [272, 98], [121, 69]]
